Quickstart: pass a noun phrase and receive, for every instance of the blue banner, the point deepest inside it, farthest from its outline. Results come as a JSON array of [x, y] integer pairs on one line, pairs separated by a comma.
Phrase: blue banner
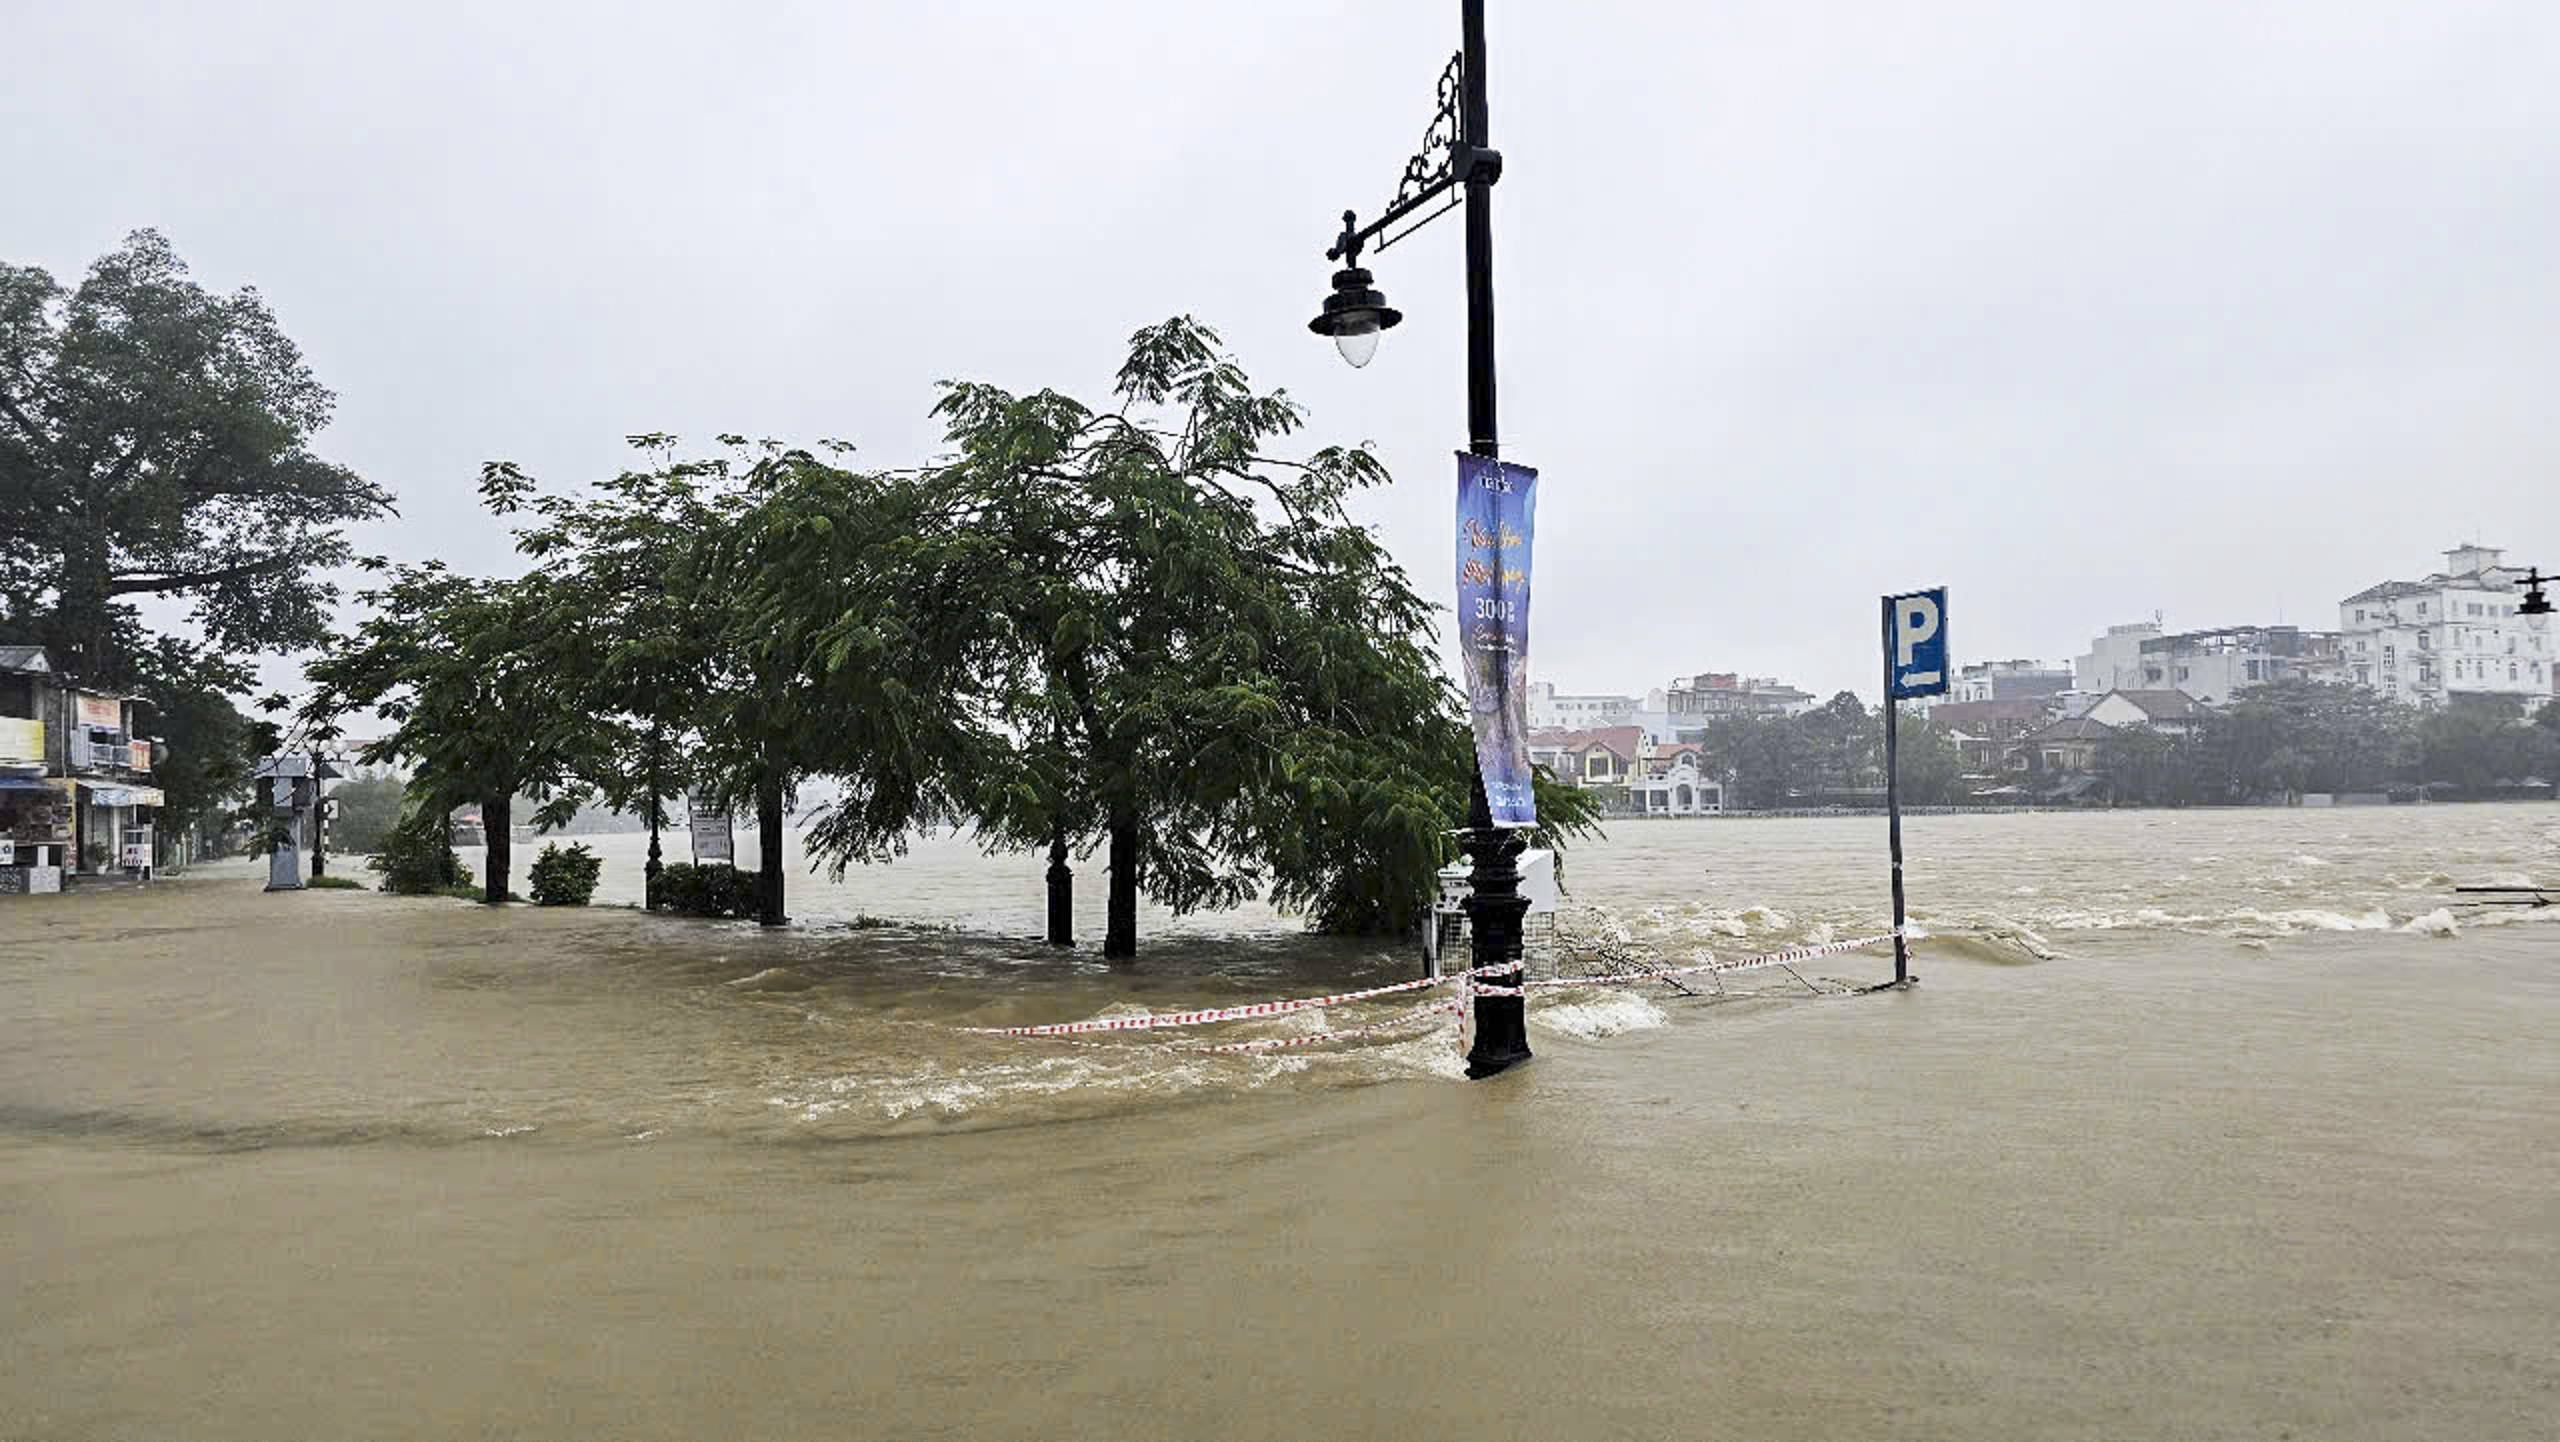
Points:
[[1497, 521]]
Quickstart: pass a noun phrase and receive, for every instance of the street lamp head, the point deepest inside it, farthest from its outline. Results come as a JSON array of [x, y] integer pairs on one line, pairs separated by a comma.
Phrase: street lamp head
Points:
[[2534, 603], [1355, 314]]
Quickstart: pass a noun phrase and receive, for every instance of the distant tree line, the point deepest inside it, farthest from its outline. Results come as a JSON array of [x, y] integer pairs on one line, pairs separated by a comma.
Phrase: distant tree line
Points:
[[2281, 740], [2292, 738], [1133, 630], [1832, 754]]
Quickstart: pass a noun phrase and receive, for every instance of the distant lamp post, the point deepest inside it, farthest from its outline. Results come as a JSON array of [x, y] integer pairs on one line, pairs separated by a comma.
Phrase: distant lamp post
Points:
[[2534, 603], [1455, 164]]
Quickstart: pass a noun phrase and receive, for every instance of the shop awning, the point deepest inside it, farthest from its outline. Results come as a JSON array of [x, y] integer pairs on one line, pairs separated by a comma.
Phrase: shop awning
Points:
[[24, 783]]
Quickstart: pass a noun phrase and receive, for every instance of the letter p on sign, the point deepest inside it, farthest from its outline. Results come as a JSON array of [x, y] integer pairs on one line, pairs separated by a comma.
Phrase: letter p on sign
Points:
[[1915, 643]]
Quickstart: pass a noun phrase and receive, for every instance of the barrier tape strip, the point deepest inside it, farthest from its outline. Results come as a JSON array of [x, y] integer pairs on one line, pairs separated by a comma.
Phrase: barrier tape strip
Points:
[[1470, 987], [1776, 958], [1150, 1021], [1275, 1043]]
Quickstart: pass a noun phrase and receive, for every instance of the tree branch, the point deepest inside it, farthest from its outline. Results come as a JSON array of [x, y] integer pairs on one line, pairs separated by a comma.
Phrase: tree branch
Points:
[[19, 418], [128, 585]]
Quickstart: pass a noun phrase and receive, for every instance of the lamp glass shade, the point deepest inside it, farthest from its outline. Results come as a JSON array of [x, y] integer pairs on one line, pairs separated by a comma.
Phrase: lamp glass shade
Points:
[[1357, 346]]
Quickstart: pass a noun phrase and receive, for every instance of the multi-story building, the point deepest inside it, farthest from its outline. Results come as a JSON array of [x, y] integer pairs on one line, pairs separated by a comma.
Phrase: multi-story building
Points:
[[75, 792], [2115, 659], [2215, 666], [2211, 666], [1551, 711], [1727, 693], [2454, 633]]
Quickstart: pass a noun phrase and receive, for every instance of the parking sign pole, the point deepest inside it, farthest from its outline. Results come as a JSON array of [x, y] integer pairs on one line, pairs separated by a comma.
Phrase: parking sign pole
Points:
[[1893, 801]]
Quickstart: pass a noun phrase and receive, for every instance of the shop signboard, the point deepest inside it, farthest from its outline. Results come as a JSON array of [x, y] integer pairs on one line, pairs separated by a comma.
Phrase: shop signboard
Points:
[[21, 739], [713, 838]]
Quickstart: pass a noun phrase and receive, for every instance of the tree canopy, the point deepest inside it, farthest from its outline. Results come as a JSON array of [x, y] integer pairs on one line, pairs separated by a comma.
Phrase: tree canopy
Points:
[[2290, 737], [155, 441], [1199, 661], [479, 712], [1137, 630]]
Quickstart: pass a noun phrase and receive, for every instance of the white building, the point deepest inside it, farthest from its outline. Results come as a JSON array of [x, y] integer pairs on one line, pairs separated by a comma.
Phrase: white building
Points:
[[2454, 633], [1549, 711], [2212, 666], [1676, 784], [2115, 660]]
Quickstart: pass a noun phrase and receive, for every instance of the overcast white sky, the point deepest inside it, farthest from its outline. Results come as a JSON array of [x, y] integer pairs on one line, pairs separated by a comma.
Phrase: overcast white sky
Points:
[[2223, 309]]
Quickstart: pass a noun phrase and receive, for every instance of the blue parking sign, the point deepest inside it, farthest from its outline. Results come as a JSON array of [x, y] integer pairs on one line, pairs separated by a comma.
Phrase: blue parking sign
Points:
[[1915, 643]]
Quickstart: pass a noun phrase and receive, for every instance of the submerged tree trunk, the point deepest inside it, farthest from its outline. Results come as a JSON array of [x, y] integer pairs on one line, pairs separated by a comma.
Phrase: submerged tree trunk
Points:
[[657, 819], [1120, 929], [1062, 893], [769, 851], [498, 836]]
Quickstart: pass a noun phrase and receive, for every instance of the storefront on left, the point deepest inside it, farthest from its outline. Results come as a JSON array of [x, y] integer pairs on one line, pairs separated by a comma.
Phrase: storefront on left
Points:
[[35, 814]]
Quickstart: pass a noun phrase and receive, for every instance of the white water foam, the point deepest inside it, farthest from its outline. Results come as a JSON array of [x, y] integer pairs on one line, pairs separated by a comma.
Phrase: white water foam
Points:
[[2438, 922], [1602, 1016]]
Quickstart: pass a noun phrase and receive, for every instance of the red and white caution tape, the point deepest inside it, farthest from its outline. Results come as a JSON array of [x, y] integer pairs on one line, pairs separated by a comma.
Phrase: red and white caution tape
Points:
[[1788, 957], [1470, 987], [1275, 1043], [1151, 1021]]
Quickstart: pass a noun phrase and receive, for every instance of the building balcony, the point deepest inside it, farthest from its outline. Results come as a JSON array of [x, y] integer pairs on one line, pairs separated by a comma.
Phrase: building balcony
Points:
[[120, 758]]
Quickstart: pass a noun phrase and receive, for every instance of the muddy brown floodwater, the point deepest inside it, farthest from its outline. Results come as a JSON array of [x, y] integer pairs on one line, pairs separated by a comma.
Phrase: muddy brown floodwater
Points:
[[2199, 1125]]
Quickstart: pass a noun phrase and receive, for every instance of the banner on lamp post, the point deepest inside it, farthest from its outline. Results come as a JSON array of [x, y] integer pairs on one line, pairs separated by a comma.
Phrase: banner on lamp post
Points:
[[1497, 522]]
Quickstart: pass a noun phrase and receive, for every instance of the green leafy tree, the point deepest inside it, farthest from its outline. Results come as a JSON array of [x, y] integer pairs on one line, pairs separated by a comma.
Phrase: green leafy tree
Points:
[[362, 810], [2290, 737], [2139, 767], [629, 619], [209, 745], [1770, 758], [1843, 742], [454, 663], [154, 442], [1931, 769], [838, 658], [1200, 664], [2475, 744]]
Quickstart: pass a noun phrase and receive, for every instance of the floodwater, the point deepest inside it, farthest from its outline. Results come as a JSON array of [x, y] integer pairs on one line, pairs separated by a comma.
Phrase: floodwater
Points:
[[2211, 1124]]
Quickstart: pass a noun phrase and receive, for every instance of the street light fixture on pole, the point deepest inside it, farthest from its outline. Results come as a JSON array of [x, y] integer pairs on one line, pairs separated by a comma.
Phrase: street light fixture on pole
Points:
[[2535, 603], [1455, 163]]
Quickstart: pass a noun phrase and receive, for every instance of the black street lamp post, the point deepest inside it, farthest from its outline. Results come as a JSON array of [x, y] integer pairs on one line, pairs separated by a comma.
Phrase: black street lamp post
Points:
[[1455, 163]]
